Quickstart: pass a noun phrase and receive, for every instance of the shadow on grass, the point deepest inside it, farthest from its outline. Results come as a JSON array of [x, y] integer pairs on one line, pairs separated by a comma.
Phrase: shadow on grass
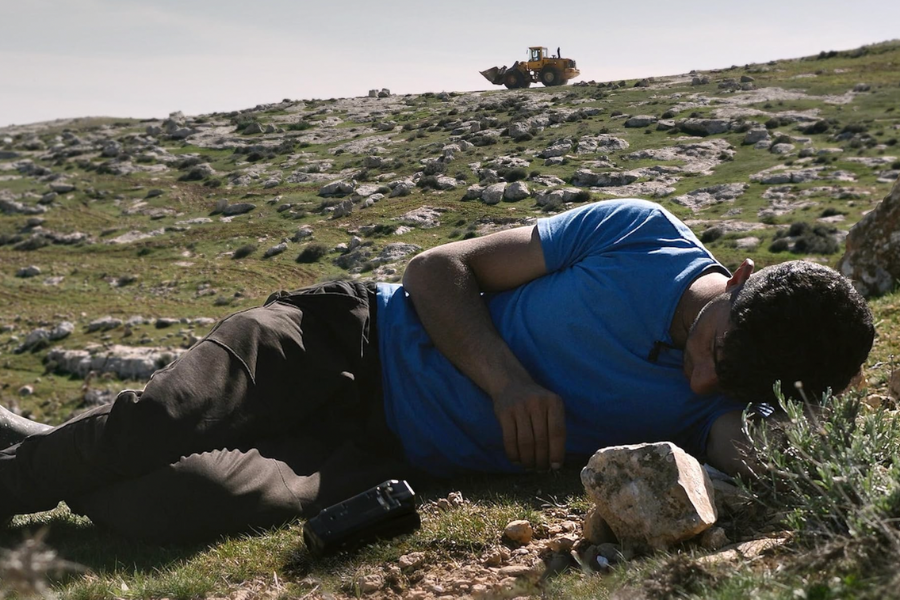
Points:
[[532, 491], [76, 539]]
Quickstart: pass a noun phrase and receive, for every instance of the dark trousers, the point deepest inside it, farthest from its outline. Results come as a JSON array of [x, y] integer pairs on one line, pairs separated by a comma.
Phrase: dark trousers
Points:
[[276, 414]]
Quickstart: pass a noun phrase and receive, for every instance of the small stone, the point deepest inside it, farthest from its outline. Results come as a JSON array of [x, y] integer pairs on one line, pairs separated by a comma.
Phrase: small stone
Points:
[[516, 191], [519, 531], [30, 271], [611, 552], [275, 250], [563, 543], [455, 499], [516, 571], [26, 390], [163, 322], [370, 583], [495, 557], [492, 194], [411, 561], [713, 538], [62, 330]]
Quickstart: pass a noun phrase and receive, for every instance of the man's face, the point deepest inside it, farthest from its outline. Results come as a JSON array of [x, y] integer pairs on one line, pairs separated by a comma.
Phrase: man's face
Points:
[[704, 343]]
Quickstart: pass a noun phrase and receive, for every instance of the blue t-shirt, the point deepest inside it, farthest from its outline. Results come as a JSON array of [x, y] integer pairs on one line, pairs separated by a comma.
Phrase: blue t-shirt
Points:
[[586, 330]]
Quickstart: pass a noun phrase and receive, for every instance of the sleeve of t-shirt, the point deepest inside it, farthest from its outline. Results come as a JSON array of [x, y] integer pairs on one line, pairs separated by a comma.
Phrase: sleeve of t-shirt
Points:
[[594, 228], [696, 438]]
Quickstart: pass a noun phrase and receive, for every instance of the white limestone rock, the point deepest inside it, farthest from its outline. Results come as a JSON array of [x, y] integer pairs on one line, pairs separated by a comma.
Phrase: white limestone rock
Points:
[[493, 194], [651, 495]]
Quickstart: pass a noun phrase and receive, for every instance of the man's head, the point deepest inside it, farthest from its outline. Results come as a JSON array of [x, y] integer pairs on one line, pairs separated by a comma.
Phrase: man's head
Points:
[[793, 322]]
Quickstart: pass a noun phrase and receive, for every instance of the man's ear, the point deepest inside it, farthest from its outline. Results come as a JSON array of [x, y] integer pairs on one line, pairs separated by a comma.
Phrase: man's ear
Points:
[[741, 275]]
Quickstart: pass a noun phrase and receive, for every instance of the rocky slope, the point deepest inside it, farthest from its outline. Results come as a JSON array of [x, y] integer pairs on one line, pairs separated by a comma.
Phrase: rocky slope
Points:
[[122, 240]]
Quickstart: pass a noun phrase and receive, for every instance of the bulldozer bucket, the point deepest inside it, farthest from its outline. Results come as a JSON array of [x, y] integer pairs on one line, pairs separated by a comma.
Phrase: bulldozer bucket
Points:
[[495, 74]]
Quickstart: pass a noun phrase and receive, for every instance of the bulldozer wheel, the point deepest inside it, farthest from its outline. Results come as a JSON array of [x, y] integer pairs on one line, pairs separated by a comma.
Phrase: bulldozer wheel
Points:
[[551, 76], [513, 80]]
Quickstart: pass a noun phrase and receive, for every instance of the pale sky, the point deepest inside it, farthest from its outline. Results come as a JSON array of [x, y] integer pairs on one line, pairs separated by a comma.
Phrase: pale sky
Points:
[[147, 58]]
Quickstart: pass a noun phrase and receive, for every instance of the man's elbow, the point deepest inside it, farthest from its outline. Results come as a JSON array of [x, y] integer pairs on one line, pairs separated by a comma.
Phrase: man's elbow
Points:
[[422, 269]]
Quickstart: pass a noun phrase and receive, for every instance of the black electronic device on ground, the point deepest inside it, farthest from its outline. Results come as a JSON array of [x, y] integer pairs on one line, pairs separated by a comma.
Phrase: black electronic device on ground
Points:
[[385, 511]]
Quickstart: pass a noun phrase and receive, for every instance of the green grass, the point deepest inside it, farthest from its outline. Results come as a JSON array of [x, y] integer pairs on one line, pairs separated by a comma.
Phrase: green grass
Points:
[[166, 286]]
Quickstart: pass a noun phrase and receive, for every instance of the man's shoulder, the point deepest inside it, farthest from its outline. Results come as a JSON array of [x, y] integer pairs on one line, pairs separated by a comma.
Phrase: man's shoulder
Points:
[[635, 210]]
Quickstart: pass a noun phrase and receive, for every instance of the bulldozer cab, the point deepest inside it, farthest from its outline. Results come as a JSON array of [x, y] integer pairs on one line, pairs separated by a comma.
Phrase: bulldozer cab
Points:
[[537, 54]]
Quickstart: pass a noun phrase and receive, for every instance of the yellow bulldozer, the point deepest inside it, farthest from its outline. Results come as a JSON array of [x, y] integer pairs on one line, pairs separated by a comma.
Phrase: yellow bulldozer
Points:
[[540, 66]]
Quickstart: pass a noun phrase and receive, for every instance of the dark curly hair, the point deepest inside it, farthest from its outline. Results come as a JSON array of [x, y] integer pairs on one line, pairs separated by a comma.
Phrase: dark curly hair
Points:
[[794, 322]]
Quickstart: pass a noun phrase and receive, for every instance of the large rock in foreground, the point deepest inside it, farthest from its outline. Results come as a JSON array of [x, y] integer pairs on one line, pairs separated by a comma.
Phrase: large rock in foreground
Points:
[[650, 495], [872, 259]]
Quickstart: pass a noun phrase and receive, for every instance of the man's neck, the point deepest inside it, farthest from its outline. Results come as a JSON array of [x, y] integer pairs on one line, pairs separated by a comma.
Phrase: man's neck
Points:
[[699, 293]]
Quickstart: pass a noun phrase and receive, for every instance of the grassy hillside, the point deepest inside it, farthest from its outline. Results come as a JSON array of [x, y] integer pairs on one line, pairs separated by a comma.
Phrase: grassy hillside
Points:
[[128, 219]]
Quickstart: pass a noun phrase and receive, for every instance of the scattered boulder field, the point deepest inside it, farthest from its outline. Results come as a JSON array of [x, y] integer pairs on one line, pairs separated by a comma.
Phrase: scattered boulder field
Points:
[[123, 241], [190, 217]]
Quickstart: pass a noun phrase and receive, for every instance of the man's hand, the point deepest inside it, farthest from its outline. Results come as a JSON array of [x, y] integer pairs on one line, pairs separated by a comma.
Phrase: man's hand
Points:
[[445, 285], [534, 425]]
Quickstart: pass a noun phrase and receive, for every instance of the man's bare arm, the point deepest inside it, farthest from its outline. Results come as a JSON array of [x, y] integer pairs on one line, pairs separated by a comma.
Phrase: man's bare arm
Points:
[[444, 284], [726, 447]]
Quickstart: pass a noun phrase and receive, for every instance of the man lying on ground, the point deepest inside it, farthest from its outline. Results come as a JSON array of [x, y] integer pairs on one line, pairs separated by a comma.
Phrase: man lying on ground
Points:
[[607, 324]]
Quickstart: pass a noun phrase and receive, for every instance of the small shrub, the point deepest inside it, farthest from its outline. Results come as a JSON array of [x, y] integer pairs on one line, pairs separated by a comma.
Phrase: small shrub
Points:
[[428, 182], [189, 161], [855, 128], [299, 126], [513, 174], [312, 253], [797, 229], [483, 140], [381, 230], [10, 238], [244, 251], [582, 196], [711, 235], [242, 120], [831, 211], [817, 239], [820, 126], [779, 245], [194, 174], [832, 472]]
